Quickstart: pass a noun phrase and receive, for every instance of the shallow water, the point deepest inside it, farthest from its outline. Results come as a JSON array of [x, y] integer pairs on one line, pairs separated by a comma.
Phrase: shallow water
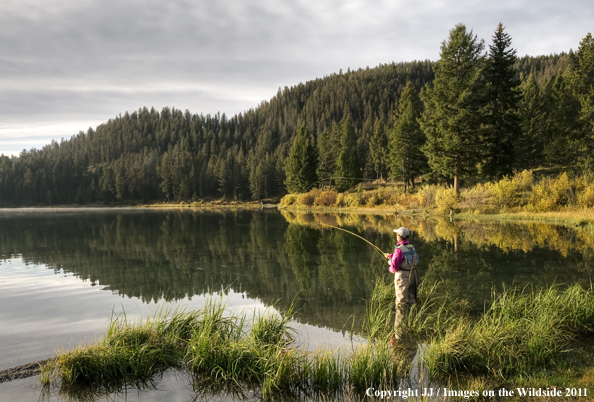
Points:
[[63, 273]]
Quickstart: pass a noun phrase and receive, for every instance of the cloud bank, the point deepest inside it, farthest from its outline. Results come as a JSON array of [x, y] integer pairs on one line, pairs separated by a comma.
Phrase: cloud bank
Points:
[[70, 64]]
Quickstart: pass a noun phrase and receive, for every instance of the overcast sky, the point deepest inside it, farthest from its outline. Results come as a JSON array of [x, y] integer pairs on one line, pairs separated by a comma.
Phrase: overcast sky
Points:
[[69, 65]]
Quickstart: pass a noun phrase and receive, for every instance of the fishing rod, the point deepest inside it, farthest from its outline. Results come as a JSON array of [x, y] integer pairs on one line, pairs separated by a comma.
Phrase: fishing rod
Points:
[[379, 250]]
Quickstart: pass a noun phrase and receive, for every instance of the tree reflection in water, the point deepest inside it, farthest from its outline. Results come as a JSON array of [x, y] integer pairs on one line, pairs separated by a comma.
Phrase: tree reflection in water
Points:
[[285, 257]]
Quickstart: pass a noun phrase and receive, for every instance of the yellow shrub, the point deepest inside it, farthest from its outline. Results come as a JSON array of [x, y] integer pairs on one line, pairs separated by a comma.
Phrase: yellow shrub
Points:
[[409, 201], [585, 198], [307, 199], [373, 200], [523, 180], [504, 193], [288, 200], [446, 199], [475, 198], [326, 199], [346, 200], [550, 194], [360, 197], [426, 195], [392, 200]]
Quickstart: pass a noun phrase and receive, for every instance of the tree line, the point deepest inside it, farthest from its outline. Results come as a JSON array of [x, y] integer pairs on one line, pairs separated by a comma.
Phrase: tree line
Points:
[[483, 116], [470, 114]]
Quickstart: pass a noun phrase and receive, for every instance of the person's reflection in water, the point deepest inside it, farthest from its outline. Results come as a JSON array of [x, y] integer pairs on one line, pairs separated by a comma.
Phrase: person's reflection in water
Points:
[[402, 264]]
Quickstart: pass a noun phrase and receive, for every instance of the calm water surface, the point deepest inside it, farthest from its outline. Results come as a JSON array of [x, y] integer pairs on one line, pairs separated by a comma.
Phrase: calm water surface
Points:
[[64, 272]]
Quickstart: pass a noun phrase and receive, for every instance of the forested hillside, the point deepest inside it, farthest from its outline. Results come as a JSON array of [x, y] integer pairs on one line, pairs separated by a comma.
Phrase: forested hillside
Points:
[[172, 155]]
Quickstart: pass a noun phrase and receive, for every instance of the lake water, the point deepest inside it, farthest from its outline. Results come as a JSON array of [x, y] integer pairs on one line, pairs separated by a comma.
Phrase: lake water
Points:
[[64, 272]]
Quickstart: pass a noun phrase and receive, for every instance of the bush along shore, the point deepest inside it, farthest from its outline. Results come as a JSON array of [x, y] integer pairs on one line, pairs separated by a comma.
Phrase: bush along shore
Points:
[[524, 338], [520, 193]]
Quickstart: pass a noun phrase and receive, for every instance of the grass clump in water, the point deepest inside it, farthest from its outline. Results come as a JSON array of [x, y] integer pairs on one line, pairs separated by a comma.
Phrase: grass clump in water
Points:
[[130, 353], [519, 335], [261, 357], [220, 349], [520, 332]]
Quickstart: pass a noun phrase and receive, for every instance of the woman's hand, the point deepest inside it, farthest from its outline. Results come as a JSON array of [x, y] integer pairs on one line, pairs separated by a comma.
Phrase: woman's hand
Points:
[[387, 256]]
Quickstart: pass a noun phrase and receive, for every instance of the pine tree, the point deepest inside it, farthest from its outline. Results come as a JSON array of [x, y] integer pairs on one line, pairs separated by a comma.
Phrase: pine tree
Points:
[[502, 104], [582, 63], [454, 108], [532, 118], [364, 147], [347, 164], [582, 72], [328, 145], [562, 133], [406, 158], [300, 165], [378, 148]]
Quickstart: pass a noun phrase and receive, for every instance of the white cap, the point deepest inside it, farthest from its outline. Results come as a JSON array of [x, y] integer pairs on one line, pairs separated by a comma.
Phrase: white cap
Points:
[[402, 232]]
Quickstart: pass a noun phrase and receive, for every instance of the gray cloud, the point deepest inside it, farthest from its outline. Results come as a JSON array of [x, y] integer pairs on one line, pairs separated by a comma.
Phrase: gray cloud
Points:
[[90, 60]]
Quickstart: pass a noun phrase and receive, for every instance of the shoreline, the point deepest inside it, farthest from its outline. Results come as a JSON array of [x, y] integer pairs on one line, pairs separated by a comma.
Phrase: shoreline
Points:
[[23, 371], [579, 217]]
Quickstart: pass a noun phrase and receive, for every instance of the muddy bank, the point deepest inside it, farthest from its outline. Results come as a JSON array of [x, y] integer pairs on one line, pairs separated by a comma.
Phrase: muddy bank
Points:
[[24, 371]]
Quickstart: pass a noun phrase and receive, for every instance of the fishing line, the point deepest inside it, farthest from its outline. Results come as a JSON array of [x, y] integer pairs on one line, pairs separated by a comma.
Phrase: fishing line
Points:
[[379, 250]]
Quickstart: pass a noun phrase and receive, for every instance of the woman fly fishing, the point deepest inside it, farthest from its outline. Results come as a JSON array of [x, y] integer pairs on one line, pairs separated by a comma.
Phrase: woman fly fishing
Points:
[[402, 264]]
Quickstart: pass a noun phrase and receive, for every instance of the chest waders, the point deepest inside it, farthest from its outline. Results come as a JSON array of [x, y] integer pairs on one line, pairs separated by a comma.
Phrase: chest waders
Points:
[[406, 292]]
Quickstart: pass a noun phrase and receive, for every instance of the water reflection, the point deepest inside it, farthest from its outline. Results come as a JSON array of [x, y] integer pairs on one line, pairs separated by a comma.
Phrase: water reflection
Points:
[[471, 258], [277, 258], [171, 255]]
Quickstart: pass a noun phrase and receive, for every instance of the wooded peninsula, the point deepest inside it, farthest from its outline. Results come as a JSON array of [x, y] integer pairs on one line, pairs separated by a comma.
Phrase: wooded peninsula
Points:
[[477, 115]]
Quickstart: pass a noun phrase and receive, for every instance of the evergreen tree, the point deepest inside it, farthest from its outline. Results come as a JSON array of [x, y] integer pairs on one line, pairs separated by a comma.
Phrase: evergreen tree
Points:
[[532, 118], [328, 145], [378, 148], [453, 108], [502, 104], [582, 72], [300, 165], [364, 147], [347, 164], [562, 127], [405, 157]]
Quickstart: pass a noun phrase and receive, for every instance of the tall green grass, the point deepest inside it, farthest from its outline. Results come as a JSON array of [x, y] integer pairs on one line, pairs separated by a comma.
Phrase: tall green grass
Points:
[[219, 348], [129, 353], [521, 331]]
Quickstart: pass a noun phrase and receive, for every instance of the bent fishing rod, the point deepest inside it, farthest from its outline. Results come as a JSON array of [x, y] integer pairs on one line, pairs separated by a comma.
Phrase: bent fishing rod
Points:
[[379, 250]]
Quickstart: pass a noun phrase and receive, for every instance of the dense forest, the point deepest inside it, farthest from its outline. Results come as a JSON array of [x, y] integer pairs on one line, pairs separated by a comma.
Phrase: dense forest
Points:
[[478, 112]]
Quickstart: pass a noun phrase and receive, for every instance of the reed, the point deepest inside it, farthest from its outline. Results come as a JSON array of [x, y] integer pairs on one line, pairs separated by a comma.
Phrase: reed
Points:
[[327, 371], [375, 365]]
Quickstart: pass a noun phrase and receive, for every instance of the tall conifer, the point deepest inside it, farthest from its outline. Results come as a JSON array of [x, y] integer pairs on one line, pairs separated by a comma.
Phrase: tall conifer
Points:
[[582, 69], [328, 144], [532, 118], [300, 165], [347, 164], [502, 104], [453, 107], [378, 148], [405, 157]]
